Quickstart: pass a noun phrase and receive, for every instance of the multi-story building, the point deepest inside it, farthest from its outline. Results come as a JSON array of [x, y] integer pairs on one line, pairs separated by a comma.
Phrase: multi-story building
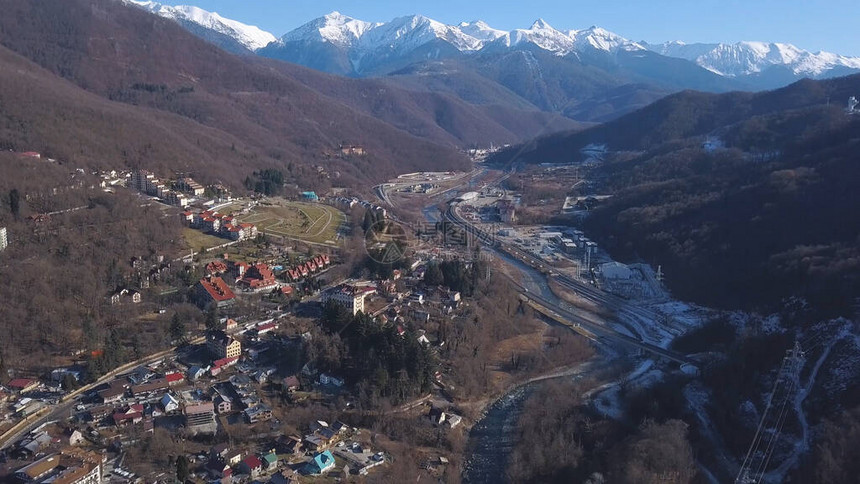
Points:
[[200, 418], [221, 345], [70, 466], [140, 180], [349, 296], [191, 186], [213, 290], [258, 277]]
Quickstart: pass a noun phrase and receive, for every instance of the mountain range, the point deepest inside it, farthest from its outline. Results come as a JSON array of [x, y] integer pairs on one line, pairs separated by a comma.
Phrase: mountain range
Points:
[[589, 75], [98, 84]]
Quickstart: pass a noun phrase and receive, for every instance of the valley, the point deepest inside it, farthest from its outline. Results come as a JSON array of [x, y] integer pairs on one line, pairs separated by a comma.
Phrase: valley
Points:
[[417, 250]]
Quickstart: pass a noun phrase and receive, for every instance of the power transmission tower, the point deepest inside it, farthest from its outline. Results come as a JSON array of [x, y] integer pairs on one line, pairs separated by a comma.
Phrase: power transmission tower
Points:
[[766, 437]]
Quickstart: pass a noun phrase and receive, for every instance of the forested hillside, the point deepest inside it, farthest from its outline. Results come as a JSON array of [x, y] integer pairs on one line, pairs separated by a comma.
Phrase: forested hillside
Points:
[[224, 111], [687, 115]]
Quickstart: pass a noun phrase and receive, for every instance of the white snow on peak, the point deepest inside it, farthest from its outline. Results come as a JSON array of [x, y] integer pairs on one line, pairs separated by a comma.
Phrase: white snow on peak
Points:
[[407, 33], [746, 58], [334, 28], [480, 30], [602, 39], [251, 37], [542, 35]]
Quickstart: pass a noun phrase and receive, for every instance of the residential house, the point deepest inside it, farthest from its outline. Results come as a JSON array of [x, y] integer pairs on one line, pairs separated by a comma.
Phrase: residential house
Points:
[[257, 413], [196, 372], [222, 364], [321, 463], [169, 403], [440, 417], [115, 393], [219, 450], [223, 404], [251, 465], [233, 457], [174, 378], [270, 461], [133, 414], [218, 468], [291, 445], [75, 437]]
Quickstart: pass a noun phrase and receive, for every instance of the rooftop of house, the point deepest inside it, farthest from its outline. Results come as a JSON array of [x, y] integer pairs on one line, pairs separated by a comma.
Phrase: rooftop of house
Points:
[[252, 461], [20, 383]]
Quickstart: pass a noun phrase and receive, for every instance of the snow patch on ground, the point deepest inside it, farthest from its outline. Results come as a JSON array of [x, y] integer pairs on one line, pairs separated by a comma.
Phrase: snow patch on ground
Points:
[[607, 400]]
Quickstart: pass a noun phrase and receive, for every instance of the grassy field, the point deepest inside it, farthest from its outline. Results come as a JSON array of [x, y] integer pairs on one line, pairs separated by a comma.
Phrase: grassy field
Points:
[[311, 222], [197, 239]]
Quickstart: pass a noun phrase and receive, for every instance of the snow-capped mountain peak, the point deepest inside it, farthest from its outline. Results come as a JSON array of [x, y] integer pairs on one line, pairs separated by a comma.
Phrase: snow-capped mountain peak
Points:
[[601, 39], [249, 36], [542, 35], [540, 24], [480, 30], [334, 28], [750, 58]]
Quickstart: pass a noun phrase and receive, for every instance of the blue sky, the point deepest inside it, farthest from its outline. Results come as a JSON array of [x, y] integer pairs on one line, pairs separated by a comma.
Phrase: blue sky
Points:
[[829, 25]]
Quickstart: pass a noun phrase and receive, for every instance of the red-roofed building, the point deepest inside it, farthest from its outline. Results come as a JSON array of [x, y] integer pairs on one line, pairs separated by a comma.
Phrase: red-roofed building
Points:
[[213, 290], [239, 268], [258, 277], [225, 362], [250, 230], [266, 328], [22, 385], [295, 275], [174, 378], [216, 267], [221, 364], [233, 232], [31, 154], [287, 290], [187, 217], [133, 414], [251, 465], [326, 259]]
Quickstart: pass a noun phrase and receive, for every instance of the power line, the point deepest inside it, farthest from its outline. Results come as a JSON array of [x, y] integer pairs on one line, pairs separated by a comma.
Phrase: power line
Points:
[[767, 434]]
